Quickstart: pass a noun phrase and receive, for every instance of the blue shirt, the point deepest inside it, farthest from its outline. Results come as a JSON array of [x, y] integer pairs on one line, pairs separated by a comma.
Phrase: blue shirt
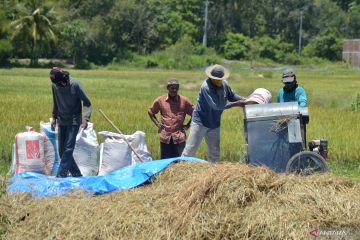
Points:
[[297, 95], [211, 103]]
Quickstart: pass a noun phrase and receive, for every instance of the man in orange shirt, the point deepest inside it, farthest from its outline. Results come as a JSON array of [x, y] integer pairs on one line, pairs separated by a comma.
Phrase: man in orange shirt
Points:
[[173, 109]]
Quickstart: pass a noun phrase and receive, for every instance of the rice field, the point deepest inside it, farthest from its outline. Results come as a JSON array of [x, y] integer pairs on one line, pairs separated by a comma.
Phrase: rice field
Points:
[[125, 95]]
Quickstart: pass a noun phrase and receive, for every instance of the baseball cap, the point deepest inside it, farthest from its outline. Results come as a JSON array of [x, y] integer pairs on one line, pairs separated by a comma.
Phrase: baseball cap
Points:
[[288, 76]]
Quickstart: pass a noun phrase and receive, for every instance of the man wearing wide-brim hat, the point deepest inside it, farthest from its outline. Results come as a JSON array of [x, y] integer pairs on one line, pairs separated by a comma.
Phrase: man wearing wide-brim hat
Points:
[[215, 92]]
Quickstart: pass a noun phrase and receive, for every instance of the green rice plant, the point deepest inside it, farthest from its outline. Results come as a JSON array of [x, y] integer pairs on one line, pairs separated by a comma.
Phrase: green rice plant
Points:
[[355, 106]]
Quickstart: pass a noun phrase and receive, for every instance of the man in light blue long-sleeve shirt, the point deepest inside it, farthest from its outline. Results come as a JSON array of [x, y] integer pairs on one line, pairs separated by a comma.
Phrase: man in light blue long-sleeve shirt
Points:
[[215, 92], [291, 92]]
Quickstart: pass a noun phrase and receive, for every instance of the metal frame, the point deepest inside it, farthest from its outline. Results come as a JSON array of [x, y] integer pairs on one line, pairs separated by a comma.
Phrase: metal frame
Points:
[[275, 147]]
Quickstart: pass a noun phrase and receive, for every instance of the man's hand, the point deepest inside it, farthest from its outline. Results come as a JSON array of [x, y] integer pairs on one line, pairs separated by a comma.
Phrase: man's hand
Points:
[[53, 124], [228, 106], [240, 103], [160, 126], [251, 102], [84, 124]]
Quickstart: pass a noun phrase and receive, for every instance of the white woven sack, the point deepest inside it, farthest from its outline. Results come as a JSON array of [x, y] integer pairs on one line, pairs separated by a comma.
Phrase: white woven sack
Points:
[[138, 142], [29, 150], [115, 152], [51, 151], [86, 151]]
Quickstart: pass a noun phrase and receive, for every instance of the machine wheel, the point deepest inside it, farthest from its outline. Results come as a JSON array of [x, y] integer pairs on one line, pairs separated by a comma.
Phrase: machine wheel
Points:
[[306, 163]]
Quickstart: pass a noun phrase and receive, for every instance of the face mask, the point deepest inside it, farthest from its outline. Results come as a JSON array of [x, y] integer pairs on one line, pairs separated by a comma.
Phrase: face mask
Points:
[[63, 83], [216, 82], [59, 77], [60, 83], [289, 86]]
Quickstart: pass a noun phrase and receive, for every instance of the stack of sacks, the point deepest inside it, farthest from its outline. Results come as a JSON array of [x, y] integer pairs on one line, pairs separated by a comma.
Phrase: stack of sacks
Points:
[[115, 152], [38, 152], [85, 152]]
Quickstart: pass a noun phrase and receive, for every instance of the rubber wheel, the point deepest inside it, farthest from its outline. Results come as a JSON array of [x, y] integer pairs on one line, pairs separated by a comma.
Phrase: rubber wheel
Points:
[[306, 163]]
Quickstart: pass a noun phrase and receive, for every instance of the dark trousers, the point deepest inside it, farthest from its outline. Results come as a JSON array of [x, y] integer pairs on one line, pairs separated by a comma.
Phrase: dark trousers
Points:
[[67, 139], [171, 150]]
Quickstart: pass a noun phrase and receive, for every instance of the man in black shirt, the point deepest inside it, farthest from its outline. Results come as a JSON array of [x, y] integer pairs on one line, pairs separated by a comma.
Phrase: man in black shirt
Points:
[[68, 98]]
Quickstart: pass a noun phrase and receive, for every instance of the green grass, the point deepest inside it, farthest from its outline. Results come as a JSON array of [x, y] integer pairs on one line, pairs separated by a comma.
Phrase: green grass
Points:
[[125, 95]]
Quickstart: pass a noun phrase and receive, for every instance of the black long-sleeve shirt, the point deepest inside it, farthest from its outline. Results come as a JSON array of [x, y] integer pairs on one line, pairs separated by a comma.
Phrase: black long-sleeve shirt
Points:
[[67, 108]]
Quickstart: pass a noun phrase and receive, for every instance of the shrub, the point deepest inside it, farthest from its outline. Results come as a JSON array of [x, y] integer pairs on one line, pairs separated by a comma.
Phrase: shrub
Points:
[[150, 63], [181, 51], [327, 45], [5, 51], [293, 59], [183, 55], [273, 48], [205, 57], [237, 46], [83, 64]]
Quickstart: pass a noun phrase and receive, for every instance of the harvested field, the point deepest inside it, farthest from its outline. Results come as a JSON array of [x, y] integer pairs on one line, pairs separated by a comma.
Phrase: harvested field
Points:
[[196, 201]]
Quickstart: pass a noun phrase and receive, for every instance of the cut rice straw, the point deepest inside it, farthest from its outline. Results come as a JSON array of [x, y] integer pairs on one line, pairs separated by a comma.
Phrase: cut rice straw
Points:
[[195, 201]]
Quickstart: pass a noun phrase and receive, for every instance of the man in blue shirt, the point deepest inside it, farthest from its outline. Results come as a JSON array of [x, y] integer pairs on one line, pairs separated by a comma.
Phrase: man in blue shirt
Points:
[[291, 92], [213, 98]]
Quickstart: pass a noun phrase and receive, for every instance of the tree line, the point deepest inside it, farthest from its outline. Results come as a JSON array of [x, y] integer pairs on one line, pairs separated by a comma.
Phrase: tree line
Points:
[[107, 31]]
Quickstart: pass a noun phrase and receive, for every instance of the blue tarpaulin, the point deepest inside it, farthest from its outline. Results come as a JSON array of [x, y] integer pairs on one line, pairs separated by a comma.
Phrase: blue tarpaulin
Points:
[[40, 185]]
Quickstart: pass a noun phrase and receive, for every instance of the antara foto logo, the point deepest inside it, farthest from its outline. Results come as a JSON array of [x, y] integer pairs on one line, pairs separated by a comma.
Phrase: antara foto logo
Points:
[[314, 232]]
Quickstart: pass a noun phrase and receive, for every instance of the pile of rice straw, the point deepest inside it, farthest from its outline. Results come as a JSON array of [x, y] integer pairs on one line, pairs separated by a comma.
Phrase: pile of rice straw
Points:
[[195, 201]]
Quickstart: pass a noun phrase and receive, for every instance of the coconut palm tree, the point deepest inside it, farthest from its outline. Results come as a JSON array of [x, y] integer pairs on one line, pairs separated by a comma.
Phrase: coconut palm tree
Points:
[[33, 26]]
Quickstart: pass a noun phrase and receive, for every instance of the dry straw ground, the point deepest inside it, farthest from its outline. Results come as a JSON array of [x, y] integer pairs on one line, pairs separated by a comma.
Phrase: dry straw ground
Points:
[[196, 201]]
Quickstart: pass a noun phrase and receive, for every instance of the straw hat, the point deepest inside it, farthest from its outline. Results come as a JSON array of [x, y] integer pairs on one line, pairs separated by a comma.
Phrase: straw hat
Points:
[[217, 72], [260, 96]]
